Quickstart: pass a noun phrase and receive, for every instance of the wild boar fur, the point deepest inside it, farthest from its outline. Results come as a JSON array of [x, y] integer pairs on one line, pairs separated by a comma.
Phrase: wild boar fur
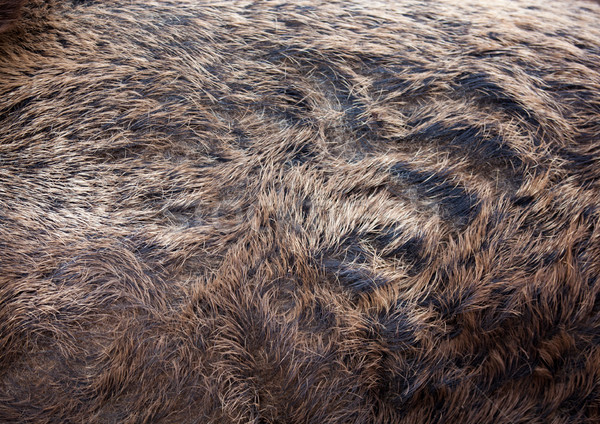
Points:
[[300, 212]]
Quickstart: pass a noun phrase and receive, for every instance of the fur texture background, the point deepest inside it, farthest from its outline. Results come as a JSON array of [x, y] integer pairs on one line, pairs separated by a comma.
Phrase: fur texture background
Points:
[[300, 212]]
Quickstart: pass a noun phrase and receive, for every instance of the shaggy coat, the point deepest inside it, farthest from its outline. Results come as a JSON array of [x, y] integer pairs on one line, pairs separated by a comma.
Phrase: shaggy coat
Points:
[[300, 212]]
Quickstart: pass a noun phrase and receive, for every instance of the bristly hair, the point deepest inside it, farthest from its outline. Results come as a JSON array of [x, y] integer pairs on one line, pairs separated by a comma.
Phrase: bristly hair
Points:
[[300, 211]]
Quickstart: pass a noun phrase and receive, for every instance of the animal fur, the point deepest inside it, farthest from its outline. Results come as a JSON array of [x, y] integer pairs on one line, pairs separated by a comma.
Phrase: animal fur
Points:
[[9, 13], [300, 212]]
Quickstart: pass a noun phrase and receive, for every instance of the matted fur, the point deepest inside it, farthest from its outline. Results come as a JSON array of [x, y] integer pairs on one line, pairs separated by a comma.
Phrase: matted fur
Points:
[[300, 212]]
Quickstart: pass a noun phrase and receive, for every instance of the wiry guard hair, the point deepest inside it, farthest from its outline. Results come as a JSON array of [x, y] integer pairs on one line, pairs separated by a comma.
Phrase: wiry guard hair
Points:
[[300, 212]]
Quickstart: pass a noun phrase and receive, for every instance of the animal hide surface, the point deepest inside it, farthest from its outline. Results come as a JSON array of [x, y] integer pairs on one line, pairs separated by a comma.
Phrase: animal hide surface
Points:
[[300, 211]]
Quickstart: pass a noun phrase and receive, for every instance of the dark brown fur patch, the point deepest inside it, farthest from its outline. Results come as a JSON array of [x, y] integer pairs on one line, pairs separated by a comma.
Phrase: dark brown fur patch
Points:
[[300, 212], [10, 11]]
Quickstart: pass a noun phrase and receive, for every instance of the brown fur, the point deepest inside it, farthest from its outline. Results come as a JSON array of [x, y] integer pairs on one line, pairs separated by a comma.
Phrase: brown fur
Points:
[[10, 10], [300, 212]]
